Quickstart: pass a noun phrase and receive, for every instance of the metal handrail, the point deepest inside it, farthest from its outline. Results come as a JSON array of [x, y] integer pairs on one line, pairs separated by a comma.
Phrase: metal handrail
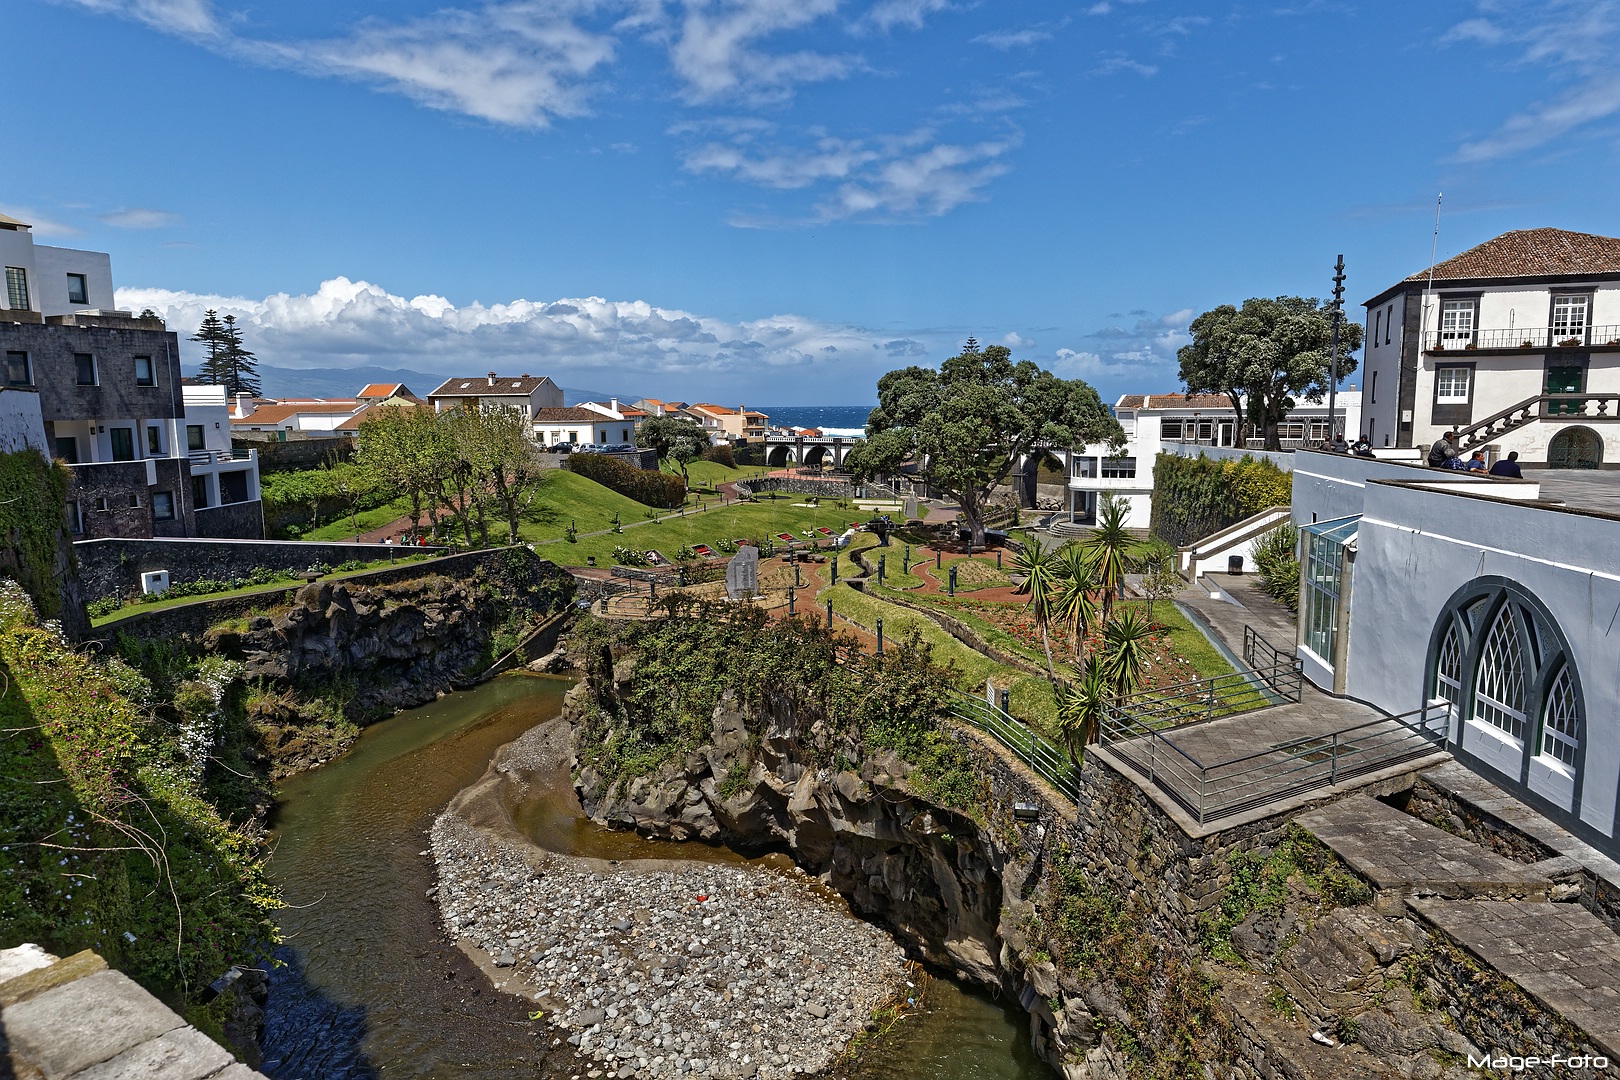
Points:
[[1034, 749], [1525, 337]]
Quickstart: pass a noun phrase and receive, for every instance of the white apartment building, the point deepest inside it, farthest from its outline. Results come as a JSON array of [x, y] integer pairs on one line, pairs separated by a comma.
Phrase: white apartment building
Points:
[[50, 280], [221, 475], [1159, 423], [1515, 343], [624, 419]]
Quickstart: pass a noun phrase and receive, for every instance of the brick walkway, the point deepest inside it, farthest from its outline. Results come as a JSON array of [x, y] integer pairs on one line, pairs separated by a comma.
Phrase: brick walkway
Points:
[[1393, 850]]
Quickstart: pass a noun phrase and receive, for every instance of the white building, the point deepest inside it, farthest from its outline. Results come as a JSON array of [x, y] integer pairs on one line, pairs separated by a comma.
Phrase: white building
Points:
[[221, 475], [1472, 598], [1516, 344], [523, 392], [579, 425], [50, 280], [625, 419], [1157, 423]]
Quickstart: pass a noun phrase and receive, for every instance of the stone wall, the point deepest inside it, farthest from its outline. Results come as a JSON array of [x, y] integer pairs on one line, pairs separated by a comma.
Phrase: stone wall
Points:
[[242, 520], [112, 567], [793, 485], [300, 451]]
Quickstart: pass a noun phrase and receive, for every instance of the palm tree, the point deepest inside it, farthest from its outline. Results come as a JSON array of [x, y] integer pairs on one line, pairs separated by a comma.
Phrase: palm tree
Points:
[[1128, 638], [1040, 570], [1109, 547], [1081, 705], [1074, 605]]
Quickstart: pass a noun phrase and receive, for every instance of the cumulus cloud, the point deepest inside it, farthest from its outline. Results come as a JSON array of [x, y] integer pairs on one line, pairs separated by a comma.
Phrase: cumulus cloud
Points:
[[140, 217], [577, 340], [715, 50], [1114, 63], [1138, 358], [1572, 41], [887, 14]]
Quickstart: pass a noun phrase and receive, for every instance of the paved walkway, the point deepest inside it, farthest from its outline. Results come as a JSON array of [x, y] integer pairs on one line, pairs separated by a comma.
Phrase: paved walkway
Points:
[[75, 1018], [1585, 489], [1393, 850]]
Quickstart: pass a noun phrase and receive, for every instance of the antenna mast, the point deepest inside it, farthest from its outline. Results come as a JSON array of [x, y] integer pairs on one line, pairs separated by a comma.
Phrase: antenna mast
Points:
[[1434, 250]]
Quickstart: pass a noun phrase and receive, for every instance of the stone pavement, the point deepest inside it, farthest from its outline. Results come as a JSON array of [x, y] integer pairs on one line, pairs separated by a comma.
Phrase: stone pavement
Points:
[[75, 1018], [1559, 954], [1583, 489], [1395, 851]]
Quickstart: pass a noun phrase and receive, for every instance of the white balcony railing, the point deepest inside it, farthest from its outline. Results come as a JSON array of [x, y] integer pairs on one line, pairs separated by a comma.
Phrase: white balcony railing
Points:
[[1525, 337], [199, 458]]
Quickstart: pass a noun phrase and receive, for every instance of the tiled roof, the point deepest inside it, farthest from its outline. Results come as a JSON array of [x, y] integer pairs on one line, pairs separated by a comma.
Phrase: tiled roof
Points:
[[569, 416], [383, 390], [1174, 401], [353, 423], [1531, 253], [275, 414], [717, 410], [479, 386]]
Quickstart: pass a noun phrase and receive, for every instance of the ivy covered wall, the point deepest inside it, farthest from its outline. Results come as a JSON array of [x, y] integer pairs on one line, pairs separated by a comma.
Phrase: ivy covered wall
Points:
[[1193, 497], [33, 493]]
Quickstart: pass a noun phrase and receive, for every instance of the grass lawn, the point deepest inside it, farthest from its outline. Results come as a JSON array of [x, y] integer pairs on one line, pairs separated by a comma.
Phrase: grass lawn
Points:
[[343, 528], [751, 520], [1033, 700], [566, 497], [709, 473], [158, 605]]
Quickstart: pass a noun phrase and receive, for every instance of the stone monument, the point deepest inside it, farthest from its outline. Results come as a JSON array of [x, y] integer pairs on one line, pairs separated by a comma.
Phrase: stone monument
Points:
[[913, 509], [742, 573]]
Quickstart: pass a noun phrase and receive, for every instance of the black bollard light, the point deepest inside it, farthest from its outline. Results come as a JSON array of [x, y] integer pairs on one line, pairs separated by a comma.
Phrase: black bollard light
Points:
[[829, 614], [880, 568], [880, 635], [835, 568], [998, 558], [952, 586], [937, 556], [791, 591]]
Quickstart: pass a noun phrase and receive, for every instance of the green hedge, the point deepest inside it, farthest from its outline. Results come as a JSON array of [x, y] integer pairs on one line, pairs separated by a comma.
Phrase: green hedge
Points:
[[646, 487], [33, 495], [1193, 497]]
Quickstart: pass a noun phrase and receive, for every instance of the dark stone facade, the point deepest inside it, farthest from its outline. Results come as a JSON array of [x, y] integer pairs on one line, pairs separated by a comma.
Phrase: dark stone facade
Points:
[[114, 566], [114, 343], [243, 520], [122, 488], [826, 489]]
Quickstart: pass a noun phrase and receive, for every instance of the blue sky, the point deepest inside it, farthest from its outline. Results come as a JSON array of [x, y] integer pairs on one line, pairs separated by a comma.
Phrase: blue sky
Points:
[[774, 201]]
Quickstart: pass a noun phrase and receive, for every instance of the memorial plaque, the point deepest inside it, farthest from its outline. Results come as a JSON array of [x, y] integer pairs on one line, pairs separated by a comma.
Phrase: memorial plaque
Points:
[[742, 573], [913, 509]]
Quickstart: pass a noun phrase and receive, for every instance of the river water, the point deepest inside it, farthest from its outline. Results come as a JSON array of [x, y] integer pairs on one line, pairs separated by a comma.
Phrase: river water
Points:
[[367, 986]]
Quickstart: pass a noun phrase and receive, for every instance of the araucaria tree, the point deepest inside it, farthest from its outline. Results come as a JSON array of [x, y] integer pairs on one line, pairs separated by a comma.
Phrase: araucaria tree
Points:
[[968, 423], [1267, 354], [239, 367], [211, 335]]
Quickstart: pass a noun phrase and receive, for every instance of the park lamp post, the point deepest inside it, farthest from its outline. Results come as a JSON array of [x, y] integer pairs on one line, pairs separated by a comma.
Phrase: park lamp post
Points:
[[880, 635], [1338, 313]]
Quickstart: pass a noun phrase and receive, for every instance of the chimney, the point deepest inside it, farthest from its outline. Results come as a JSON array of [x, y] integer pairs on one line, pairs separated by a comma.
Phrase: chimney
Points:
[[492, 378], [613, 403], [525, 375], [244, 405]]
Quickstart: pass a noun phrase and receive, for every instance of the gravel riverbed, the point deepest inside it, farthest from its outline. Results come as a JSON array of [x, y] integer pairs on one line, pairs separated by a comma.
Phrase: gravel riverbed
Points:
[[669, 969]]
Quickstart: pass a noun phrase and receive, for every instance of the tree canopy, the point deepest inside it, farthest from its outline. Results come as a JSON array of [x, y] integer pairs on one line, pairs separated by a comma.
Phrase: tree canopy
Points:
[[674, 437], [225, 361], [968, 423], [1267, 354]]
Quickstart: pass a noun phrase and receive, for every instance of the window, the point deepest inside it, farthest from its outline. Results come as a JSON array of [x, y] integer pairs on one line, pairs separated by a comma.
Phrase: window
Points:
[[84, 369], [162, 506], [624, 434], [1451, 385], [199, 492], [17, 288], [1499, 692], [1378, 326], [154, 440], [75, 518], [233, 486], [1169, 429], [1372, 391], [145, 373], [1119, 468], [67, 449], [1560, 725], [1322, 568], [573, 436], [18, 371], [101, 504], [1569, 317], [1389, 319], [1456, 323], [78, 289], [123, 443], [134, 502], [194, 437]]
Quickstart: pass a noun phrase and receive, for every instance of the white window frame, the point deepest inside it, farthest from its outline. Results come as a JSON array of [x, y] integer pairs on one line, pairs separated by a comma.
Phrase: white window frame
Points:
[[150, 378], [1446, 383], [1458, 321], [1565, 306], [17, 297]]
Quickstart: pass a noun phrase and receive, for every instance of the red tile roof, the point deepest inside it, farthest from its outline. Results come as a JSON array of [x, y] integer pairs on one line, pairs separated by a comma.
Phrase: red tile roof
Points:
[[1174, 401], [1531, 253], [275, 414]]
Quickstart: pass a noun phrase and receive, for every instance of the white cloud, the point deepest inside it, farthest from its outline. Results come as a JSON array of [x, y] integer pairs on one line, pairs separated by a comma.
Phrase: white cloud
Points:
[[887, 14], [42, 225], [1141, 357], [1570, 40], [140, 217], [1114, 63], [1102, 7], [714, 51], [1014, 340], [579, 341], [187, 18], [1013, 39], [892, 178]]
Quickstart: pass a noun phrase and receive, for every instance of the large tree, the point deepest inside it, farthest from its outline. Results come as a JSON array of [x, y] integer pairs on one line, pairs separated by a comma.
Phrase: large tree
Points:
[[211, 335], [397, 443], [1267, 354], [968, 423], [239, 367], [675, 438]]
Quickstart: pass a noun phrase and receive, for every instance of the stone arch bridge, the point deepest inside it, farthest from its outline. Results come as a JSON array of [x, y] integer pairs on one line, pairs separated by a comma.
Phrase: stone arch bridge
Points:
[[782, 451]]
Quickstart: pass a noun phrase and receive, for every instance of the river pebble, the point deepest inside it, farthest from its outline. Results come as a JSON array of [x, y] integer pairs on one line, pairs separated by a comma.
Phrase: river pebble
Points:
[[683, 970]]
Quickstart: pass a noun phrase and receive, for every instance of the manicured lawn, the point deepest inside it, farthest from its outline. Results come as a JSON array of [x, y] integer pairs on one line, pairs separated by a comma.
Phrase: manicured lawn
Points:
[[709, 473], [566, 497], [753, 521], [1032, 697], [344, 529]]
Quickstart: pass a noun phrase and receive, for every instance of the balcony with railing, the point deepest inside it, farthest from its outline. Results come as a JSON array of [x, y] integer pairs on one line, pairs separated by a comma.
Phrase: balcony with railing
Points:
[[201, 458], [1523, 338]]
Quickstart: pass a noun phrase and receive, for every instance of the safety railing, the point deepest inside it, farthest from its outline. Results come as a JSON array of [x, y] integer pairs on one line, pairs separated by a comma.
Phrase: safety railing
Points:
[[218, 457], [1283, 673], [1032, 748], [1525, 337], [1210, 791]]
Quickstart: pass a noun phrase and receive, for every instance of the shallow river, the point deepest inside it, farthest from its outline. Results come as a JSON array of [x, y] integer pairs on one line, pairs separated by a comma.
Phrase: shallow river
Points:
[[370, 989]]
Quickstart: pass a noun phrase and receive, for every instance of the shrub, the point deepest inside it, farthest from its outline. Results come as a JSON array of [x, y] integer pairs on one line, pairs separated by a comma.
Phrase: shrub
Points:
[[644, 486], [1193, 497], [1276, 554], [721, 455]]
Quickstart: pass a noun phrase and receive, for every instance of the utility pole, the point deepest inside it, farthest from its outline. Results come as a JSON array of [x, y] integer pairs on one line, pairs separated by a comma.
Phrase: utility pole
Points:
[[1338, 313]]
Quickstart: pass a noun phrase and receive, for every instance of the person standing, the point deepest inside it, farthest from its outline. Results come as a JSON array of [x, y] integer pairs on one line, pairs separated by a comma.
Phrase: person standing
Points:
[[1508, 466]]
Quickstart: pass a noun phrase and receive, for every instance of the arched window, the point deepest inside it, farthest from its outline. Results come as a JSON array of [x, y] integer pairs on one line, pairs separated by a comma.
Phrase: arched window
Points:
[[1498, 657]]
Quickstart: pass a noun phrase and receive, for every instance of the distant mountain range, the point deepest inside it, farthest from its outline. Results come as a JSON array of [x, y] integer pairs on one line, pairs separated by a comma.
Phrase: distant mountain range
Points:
[[278, 382]]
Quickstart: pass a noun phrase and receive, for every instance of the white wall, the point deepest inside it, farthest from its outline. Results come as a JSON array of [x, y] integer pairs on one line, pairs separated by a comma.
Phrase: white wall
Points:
[[209, 407], [17, 249], [1380, 401], [1416, 548], [55, 264], [1331, 486], [21, 423]]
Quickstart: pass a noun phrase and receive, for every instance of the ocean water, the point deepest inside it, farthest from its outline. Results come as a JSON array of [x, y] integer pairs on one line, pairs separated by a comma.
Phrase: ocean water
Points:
[[846, 420]]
